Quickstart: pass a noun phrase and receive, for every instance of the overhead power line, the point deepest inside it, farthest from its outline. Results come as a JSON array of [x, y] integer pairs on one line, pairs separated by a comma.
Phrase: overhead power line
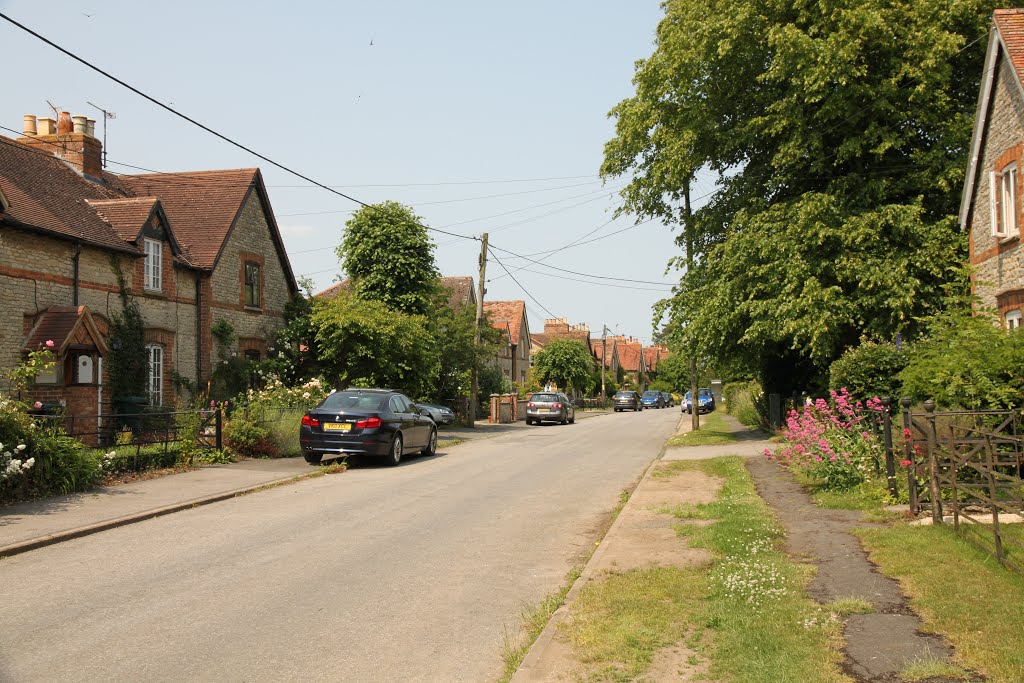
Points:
[[525, 291]]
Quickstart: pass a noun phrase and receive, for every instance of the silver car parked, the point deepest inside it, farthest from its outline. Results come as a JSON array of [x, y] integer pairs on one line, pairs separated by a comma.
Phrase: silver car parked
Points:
[[550, 406]]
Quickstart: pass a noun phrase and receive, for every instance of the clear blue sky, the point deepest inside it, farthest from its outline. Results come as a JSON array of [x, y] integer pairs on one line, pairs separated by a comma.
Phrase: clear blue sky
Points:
[[427, 103]]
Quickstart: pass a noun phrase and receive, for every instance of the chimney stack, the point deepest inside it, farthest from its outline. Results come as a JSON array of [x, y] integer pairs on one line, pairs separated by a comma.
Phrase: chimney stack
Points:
[[70, 138]]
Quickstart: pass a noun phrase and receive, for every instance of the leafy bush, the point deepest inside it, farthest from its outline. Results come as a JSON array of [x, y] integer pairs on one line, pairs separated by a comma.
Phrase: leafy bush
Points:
[[246, 437], [660, 385], [831, 443], [746, 402], [869, 370], [967, 362]]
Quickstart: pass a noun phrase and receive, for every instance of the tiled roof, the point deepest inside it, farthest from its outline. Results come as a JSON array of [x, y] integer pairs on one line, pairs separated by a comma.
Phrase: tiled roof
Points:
[[461, 290], [47, 194], [511, 313], [542, 338], [126, 216], [1010, 23], [651, 357], [56, 324], [201, 205], [629, 355], [333, 291]]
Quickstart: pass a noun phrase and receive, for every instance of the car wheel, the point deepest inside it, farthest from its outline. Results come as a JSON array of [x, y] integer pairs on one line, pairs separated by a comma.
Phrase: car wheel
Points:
[[431, 444], [395, 456], [572, 420], [313, 459], [565, 418]]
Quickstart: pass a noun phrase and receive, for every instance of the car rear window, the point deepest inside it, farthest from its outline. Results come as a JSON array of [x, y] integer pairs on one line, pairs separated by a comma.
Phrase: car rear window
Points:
[[624, 394], [652, 394], [353, 401], [545, 398], [703, 392]]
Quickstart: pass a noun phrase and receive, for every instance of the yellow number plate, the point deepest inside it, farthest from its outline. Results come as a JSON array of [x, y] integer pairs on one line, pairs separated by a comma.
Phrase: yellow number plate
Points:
[[337, 426]]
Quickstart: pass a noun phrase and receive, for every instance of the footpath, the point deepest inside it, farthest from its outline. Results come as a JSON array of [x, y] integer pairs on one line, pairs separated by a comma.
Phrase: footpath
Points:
[[876, 646], [39, 523]]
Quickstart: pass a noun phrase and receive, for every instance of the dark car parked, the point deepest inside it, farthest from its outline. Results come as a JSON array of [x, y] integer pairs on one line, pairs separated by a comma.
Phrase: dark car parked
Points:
[[441, 415], [627, 400], [551, 406], [652, 399], [669, 400], [377, 422]]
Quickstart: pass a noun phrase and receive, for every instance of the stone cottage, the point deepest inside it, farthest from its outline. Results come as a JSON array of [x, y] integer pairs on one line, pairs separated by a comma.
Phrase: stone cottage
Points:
[[514, 356], [192, 249], [990, 208]]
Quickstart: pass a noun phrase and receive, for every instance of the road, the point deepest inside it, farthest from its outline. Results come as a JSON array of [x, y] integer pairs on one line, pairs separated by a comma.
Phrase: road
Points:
[[414, 573]]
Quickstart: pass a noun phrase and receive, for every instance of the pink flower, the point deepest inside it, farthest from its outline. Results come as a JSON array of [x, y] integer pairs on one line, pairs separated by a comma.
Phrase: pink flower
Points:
[[49, 343], [906, 463], [37, 405]]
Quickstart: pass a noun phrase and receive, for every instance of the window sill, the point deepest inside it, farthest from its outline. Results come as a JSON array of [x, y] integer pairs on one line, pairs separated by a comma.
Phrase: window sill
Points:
[[1007, 239], [253, 309]]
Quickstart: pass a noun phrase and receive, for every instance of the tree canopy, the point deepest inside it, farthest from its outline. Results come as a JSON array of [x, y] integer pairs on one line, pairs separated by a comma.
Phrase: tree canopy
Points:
[[838, 133], [566, 362], [389, 257]]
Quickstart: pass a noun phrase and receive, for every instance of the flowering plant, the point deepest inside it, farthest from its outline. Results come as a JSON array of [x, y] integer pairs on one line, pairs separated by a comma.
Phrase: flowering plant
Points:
[[35, 362], [830, 441]]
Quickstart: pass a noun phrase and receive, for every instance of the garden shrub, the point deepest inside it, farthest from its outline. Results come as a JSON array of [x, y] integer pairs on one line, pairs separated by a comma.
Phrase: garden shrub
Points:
[[832, 442], [967, 362], [869, 370], [745, 402], [246, 437]]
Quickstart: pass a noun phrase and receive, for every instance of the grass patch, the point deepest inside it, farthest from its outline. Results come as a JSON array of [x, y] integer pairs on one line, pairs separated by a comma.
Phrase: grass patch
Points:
[[747, 612], [928, 670], [713, 431], [960, 592], [534, 620], [448, 443], [870, 498], [333, 468], [844, 607]]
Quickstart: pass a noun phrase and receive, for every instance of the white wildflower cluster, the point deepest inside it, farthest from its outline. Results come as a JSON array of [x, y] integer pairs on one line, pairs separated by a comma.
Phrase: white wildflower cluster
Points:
[[107, 460], [11, 463], [820, 620], [754, 582], [277, 394]]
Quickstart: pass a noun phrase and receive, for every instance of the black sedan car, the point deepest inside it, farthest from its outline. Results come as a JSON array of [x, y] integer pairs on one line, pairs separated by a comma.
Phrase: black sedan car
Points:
[[377, 422], [441, 415]]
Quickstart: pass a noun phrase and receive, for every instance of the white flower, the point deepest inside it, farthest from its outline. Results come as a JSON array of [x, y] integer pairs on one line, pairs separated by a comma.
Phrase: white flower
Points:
[[28, 463], [22, 446], [305, 394]]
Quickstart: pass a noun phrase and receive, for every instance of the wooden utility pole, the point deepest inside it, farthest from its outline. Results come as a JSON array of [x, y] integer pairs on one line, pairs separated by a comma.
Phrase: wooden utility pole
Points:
[[604, 354], [481, 290], [688, 217]]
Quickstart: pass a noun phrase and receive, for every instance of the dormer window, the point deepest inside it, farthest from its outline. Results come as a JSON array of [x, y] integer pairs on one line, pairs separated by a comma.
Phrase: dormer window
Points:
[[1013, 320], [154, 265]]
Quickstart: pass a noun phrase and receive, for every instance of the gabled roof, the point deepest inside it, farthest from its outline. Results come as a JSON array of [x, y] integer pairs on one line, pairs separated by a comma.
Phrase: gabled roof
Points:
[[333, 291], [651, 356], [44, 193], [203, 206], [630, 356], [127, 216], [461, 290], [610, 351], [59, 324], [1006, 39], [511, 312]]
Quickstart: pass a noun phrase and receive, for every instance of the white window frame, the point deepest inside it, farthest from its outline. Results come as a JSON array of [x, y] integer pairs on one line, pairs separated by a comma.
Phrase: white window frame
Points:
[[155, 381], [154, 265], [1013, 319], [1006, 202]]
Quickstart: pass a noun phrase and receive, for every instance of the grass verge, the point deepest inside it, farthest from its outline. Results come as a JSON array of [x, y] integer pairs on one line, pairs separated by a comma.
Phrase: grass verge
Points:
[[333, 468], [960, 592], [713, 431], [746, 613]]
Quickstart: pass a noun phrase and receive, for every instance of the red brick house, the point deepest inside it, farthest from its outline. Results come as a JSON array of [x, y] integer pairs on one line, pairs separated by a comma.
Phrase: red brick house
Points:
[[510, 318], [192, 249], [631, 360], [990, 208]]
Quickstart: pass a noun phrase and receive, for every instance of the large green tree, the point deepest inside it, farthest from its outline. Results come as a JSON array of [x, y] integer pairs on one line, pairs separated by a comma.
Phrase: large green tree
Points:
[[567, 363], [388, 256], [838, 131]]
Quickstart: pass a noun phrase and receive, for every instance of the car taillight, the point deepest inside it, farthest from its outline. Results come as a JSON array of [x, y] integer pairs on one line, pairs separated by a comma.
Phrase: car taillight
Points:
[[558, 405], [530, 405], [368, 423], [309, 421]]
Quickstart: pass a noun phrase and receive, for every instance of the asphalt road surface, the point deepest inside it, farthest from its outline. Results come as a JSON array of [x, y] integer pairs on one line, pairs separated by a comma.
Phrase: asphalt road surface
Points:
[[414, 573]]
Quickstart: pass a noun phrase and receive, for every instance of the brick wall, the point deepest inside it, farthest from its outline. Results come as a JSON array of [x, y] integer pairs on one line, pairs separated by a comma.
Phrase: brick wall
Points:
[[998, 262]]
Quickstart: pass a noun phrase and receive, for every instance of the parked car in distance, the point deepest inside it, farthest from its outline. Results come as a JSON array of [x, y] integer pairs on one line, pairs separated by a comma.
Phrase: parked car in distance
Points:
[[669, 400], [377, 422], [441, 415], [705, 401], [627, 400], [550, 406], [652, 399]]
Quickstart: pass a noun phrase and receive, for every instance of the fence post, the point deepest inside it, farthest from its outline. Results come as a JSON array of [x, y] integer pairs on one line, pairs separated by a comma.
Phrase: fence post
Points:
[[890, 460], [219, 423], [933, 462], [908, 455], [774, 410]]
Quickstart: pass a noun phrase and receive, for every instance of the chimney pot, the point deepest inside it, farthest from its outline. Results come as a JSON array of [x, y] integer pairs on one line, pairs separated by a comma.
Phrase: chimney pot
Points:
[[64, 123], [79, 124], [30, 125], [90, 127], [47, 126]]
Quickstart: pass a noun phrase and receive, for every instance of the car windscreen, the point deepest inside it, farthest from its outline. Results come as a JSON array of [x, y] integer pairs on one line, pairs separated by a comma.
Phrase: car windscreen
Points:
[[545, 398], [350, 401], [703, 392]]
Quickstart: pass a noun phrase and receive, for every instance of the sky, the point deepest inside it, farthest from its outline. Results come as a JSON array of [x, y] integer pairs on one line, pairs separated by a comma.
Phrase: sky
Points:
[[481, 116]]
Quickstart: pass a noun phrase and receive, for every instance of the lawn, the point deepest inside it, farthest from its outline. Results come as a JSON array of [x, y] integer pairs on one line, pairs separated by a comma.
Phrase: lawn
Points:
[[745, 617], [713, 431]]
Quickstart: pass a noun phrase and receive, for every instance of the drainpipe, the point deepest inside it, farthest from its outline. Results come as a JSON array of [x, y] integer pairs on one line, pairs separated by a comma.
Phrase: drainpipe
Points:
[[199, 330], [74, 261]]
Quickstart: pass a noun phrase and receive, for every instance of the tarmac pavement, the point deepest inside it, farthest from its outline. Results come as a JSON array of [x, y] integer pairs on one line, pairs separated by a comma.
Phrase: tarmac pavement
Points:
[[38, 523]]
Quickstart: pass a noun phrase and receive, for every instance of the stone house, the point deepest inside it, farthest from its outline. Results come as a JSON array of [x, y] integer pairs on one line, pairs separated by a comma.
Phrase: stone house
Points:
[[607, 350], [192, 249], [990, 208], [631, 360], [510, 318]]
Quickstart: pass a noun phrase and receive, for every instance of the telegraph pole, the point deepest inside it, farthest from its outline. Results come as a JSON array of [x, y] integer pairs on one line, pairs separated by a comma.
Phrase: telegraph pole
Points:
[[481, 290], [694, 404], [604, 354]]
